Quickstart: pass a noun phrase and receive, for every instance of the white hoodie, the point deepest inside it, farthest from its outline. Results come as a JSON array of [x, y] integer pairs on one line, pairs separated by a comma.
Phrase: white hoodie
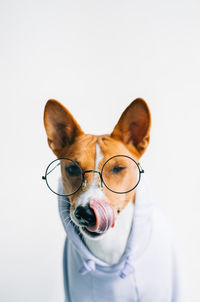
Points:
[[145, 273]]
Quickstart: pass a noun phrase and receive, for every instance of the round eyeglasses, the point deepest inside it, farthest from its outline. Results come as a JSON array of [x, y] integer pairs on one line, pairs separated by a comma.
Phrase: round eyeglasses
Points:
[[120, 174]]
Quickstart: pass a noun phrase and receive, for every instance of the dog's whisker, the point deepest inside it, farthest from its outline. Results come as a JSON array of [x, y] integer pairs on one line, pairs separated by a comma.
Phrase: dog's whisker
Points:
[[68, 223], [65, 201], [67, 218], [65, 210], [64, 206]]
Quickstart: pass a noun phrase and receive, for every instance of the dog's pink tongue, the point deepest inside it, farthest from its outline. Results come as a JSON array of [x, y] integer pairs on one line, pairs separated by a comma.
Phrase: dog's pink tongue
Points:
[[105, 217]]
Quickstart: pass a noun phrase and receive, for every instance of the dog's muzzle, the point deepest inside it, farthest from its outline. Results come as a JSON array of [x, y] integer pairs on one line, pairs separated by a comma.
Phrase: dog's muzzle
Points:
[[97, 216]]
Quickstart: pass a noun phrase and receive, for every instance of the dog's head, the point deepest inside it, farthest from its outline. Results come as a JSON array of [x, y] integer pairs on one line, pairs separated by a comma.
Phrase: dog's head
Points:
[[96, 164]]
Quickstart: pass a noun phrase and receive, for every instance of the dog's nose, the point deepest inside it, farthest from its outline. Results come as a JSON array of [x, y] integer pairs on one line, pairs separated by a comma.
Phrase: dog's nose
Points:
[[85, 215]]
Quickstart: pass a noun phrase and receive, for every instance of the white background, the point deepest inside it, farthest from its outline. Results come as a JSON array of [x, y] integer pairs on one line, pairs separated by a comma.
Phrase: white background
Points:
[[95, 57]]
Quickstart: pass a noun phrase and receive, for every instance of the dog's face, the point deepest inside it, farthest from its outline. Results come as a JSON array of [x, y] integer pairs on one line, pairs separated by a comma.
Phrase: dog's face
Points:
[[94, 207]]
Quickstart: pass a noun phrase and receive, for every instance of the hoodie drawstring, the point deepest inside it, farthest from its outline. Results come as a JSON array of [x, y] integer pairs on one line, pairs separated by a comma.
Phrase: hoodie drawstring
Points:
[[127, 269], [88, 266]]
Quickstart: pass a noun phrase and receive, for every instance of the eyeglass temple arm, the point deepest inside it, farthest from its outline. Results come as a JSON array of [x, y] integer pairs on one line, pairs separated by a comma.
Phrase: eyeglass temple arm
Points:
[[44, 177], [140, 168]]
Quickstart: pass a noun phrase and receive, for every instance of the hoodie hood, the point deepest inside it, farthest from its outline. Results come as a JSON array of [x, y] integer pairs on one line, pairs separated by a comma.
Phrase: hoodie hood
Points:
[[147, 270], [138, 238]]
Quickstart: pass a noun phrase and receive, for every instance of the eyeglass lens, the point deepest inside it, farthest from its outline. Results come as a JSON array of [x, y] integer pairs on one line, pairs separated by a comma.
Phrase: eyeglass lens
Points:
[[120, 174], [70, 172]]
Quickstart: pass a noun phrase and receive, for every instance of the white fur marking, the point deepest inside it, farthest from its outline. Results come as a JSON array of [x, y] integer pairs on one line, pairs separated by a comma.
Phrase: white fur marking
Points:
[[93, 191], [99, 156], [111, 246]]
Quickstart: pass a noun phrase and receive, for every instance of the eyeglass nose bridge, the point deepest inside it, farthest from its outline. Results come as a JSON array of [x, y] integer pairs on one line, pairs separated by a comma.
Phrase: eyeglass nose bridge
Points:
[[84, 184]]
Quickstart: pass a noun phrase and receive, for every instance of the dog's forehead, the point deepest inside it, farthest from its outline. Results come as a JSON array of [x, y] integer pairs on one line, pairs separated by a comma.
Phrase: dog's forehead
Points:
[[91, 150], [110, 147], [83, 151]]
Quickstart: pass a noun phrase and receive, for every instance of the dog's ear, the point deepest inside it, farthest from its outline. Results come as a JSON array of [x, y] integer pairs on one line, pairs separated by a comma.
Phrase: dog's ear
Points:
[[133, 126], [60, 126]]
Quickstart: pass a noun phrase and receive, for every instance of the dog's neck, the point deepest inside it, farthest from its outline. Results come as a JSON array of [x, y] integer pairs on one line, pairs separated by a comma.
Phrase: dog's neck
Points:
[[111, 246]]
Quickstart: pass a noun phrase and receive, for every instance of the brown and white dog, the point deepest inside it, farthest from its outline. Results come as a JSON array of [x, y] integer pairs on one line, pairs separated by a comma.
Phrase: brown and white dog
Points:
[[118, 246], [130, 137]]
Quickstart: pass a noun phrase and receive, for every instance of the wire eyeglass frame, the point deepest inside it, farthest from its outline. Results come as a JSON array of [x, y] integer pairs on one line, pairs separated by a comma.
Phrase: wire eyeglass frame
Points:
[[83, 180]]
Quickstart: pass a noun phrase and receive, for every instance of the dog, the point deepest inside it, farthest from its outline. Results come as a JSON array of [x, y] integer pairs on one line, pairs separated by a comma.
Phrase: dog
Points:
[[118, 245]]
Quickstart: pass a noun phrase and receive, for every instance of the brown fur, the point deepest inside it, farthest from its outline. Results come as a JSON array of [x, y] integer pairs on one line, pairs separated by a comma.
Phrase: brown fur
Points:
[[130, 137]]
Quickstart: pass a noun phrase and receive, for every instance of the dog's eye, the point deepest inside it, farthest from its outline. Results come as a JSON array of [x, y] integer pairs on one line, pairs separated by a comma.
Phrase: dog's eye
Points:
[[73, 170], [117, 169]]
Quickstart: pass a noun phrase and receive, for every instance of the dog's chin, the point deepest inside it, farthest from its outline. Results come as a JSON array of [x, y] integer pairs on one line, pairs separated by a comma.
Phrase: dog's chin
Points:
[[90, 235]]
